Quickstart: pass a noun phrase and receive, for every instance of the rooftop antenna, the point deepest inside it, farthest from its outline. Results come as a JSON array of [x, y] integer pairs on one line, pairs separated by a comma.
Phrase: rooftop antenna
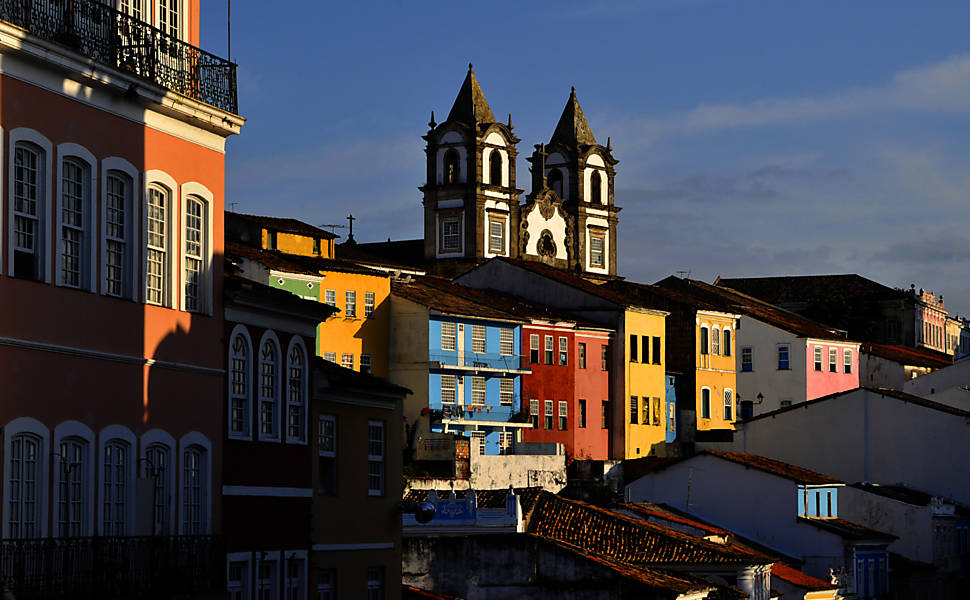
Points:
[[332, 226], [683, 274], [232, 206]]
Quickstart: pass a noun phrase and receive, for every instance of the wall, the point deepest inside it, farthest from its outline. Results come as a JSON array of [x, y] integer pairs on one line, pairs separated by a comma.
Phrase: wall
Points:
[[956, 375], [358, 335], [715, 372], [408, 361], [825, 382], [913, 524], [645, 381], [764, 377]]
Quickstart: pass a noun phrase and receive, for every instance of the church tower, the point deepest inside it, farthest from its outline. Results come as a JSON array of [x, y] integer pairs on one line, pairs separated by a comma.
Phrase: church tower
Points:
[[569, 219], [471, 204]]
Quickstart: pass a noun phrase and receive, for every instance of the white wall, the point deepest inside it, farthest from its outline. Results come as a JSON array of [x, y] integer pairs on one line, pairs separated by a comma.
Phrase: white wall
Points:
[[912, 524], [956, 375], [765, 378]]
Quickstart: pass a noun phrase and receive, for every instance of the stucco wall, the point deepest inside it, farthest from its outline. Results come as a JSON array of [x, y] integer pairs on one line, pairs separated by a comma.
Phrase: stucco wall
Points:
[[764, 377], [912, 524]]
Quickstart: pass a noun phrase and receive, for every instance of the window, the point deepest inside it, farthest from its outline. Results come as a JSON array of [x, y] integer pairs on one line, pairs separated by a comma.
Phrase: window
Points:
[[645, 410], [75, 225], [327, 450], [71, 471], [847, 360], [267, 577], [534, 348], [634, 410], [581, 355], [728, 405], [478, 441], [633, 349], [605, 414], [534, 413], [496, 236], [563, 351], [506, 391], [369, 305], [316, 246], [452, 165], [271, 240], [705, 403], [296, 395], [704, 340], [195, 251], [596, 188], [505, 442], [656, 411], [375, 583], [478, 339], [158, 464], [507, 341], [727, 342], [657, 351], [449, 336], [29, 218], [715, 341], [495, 167], [603, 357], [330, 297], [117, 234], [330, 356], [818, 358], [25, 484], [169, 17], [327, 584], [747, 362], [194, 482], [563, 412], [783, 364], [582, 414], [478, 391], [268, 389], [237, 580], [131, 7], [347, 361], [549, 355], [833, 360], [239, 399], [785, 403], [351, 309], [365, 363], [114, 495], [156, 280], [375, 458], [548, 415], [451, 235], [554, 179], [448, 389], [596, 258]]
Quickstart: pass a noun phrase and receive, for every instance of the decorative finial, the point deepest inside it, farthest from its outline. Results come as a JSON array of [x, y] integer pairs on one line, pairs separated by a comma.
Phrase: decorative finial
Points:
[[470, 67], [510, 122], [609, 145], [432, 124], [572, 90]]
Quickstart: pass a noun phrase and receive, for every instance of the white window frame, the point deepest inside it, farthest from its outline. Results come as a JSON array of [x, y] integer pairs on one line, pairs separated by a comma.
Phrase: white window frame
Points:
[[847, 360], [594, 254], [193, 190], [377, 458], [479, 339], [369, 304], [366, 361], [817, 355], [350, 304], [273, 436], [243, 589], [452, 386], [129, 276], [479, 391], [833, 360], [75, 430], [301, 585], [33, 428], [563, 352], [729, 405], [24, 135], [506, 391], [507, 341], [563, 415], [87, 274], [449, 336], [330, 357], [163, 439], [183, 27], [301, 405], [548, 417], [241, 331], [330, 297], [534, 412], [702, 411], [750, 357], [188, 441], [347, 360], [165, 183], [274, 581], [118, 434]]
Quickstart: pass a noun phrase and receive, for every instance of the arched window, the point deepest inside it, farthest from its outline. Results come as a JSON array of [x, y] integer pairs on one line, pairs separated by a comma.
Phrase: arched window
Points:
[[268, 386], [115, 488], [195, 252], [555, 181], [75, 224], [118, 234], [157, 273], [452, 167], [29, 219], [296, 395], [71, 466], [495, 167], [194, 481], [25, 486], [239, 387], [596, 188], [158, 466]]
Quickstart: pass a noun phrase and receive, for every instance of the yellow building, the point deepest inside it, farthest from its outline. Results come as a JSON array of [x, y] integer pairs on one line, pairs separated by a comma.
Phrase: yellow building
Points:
[[715, 378], [645, 411]]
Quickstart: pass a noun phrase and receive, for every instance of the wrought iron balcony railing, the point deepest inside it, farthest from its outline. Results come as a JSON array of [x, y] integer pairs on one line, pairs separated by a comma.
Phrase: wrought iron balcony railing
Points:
[[112, 567], [115, 39]]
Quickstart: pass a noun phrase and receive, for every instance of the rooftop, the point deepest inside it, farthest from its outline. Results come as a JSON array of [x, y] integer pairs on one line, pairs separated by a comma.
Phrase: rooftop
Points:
[[883, 392], [485, 498], [797, 578], [284, 224], [909, 356], [331, 375], [775, 467], [805, 288], [847, 529]]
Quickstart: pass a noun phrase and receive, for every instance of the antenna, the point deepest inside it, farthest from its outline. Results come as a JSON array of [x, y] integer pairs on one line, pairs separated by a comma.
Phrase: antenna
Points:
[[332, 226], [684, 274], [232, 206]]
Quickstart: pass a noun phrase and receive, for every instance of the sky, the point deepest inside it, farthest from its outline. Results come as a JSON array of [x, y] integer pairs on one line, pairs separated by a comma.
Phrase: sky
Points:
[[755, 138]]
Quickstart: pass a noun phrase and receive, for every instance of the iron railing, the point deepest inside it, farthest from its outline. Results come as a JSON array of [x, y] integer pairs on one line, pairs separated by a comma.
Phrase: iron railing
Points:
[[112, 567], [115, 39], [477, 360]]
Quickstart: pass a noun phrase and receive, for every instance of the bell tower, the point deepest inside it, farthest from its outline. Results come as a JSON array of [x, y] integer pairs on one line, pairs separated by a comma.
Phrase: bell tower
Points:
[[471, 204]]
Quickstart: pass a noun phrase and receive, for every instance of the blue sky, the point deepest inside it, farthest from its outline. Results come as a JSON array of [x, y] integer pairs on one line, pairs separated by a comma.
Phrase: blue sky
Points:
[[754, 138]]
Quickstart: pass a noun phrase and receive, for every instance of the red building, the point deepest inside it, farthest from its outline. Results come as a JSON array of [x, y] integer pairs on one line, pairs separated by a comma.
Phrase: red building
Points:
[[567, 393]]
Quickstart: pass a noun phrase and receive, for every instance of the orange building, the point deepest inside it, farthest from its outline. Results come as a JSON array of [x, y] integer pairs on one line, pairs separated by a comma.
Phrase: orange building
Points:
[[113, 129]]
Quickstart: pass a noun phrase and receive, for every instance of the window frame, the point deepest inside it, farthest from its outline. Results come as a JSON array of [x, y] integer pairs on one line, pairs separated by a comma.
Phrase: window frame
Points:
[[847, 361], [369, 305], [534, 350], [728, 404], [117, 436], [833, 360], [506, 396], [350, 304], [240, 332], [450, 242], [40, 145], [784, 365], [563, 415], [163, 183], [817, 356], [549, 355], [506, 341], [634, 348], [330, 297], [747, 359], [194, 192], [269, 337], [705, 340], [657, 350], [368, 364], [77, 433], [124, 171], [534, 412], [447, 326], [479, 391], [376, 459], [548, 415], [563, 351], [297, 348], [87, 254], [715, 341], [479, 337], [727, 342], [347, 360], [581, 417], [705, 402], [634, 410], [31, 429], [196, 442], [496, 243], [581, 355], [328, 457], [453, 379]]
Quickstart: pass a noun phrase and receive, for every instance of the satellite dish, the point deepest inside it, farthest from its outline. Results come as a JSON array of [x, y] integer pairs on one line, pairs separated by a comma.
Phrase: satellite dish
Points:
[[424, 512]]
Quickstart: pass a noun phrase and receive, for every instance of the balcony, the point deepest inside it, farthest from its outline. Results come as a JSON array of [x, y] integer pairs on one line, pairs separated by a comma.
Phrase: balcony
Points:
[[122, 42], [479, 362], [112, 567]]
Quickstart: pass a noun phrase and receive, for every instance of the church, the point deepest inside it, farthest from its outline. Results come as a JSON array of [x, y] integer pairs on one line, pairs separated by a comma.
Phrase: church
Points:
[[472, 206]]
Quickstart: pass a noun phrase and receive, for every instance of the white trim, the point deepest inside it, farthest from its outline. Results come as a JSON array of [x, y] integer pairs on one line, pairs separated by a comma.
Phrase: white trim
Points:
[[80, 154], [42, 245], [339, 547], [269, 334], [200, 192], [246, 557], [164, 181], [297, 340], [75, 429], [109, 434], [194, 438], [287, 556], [242, 330], [34, 427], [439, 235], [182, 14], [273, 556], [267, 491], [114, 163], [710, 402], [162, 438]]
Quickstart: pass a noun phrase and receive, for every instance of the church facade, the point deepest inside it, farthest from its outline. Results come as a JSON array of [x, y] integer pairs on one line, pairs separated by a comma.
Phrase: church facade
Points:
[[472, 207]]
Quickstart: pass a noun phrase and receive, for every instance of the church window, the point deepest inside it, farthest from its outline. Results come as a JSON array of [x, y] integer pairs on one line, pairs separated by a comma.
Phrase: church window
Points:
[[496, 236], [495, 168], [596, 258], [451, 235], [596, 191], [452, 167], [555, 182]]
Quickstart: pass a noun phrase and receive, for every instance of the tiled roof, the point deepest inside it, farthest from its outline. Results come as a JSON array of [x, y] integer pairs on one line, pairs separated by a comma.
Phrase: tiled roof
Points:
[[648, 509], [341, 377], [268, 258], [797, 578], [572, 280], [662, 297], [804, 288], [457, 299], [408, 592], [625, 539], [406, 254], [284, 224], [484, 498], [238, 289], [775, 467], [847, 529], [883, 392], [896, 492], [321, 264], [573, 130], [906, 355]]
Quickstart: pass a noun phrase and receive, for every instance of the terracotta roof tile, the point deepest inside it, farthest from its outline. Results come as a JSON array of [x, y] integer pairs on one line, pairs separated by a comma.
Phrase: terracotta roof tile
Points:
[[796, 577], [779, 290], [284, 224], [408, 592], [574, 280], [906, 355], [847, 529], [268, 258], [452, 298], [648, 509], [775, 467], [883, 392]]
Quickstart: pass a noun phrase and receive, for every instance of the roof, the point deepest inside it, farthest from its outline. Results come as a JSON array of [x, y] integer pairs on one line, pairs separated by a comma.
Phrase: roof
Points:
[[799, 579], [896, 492], [284, 224], [625, 539], [452, 298], [244, 291], [648, 509], [775, 467], [572, 129], [883, 392], [403, 254], [268, 258], [485, 498], [804, 288], [906, 355], [409, 591], [470, 107], [341, 377], [657, 295], [847, 529]]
